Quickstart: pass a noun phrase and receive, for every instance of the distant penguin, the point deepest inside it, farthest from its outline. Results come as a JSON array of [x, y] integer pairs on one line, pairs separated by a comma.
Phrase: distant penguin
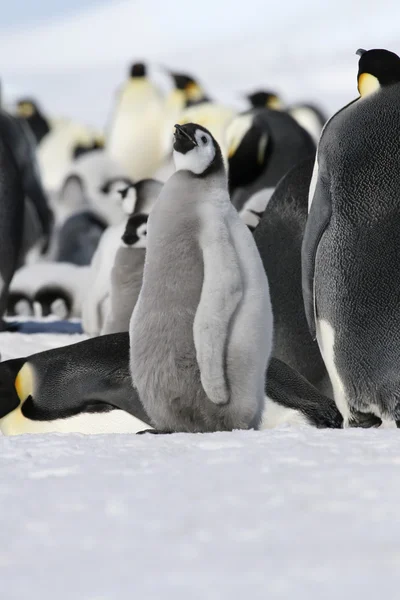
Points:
[[140, 196], [95, 393], [81, 149], [92, 182], [54, 300], [201, 330], [265, 99], [279, 238], [19, 179], [213, 116], [350, 253], [19, 305], [81, 388], [79, 237], [135, 134], [310, 117], [127, 275], [263, 145], [50, 281], [28, 110], [56, 151]]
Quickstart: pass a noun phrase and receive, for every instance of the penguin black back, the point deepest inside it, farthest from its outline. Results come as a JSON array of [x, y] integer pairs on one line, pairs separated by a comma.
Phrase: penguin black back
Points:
[[79, 237], [279, 237], [11, 217], [350, 252], [273, 143]]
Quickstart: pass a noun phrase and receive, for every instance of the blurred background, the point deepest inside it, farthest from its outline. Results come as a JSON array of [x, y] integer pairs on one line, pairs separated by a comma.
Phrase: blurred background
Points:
[[72, 54]]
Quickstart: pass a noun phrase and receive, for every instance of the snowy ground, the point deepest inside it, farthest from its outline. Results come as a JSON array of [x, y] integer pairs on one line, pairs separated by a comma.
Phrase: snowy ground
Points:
[[283, 514], [291, 514]]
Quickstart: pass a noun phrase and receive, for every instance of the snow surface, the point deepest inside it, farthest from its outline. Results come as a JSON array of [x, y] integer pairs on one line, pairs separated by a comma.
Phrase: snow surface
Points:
[[279, 514], [282, 514]]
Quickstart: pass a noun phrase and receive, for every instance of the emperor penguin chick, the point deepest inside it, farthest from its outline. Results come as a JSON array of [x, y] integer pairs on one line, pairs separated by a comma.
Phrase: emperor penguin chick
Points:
[[201, 331], [127, 275]]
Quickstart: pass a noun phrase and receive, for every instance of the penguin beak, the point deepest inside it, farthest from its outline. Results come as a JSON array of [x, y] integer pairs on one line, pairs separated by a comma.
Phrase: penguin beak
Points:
[[184, 142], [360, 52]]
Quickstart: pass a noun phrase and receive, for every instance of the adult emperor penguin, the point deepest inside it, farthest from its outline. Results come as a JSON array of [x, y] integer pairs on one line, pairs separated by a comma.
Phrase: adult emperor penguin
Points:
[[263, 145], [135, 136], [81, 388], [201, 331], [19, 179], [265, 99], [350, 251], [127, 275], [95, 393], [279, 237]]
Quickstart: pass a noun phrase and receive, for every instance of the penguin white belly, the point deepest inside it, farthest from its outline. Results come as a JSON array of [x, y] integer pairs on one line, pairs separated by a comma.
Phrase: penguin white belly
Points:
[[307, 119], [275, 415], [256, 204], [135, 139], [326, 342], [115, 421]]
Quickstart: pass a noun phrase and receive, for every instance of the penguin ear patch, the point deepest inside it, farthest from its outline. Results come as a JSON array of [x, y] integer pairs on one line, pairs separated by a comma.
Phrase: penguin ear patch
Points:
[[25, 382], [262, 146], [367, 84]]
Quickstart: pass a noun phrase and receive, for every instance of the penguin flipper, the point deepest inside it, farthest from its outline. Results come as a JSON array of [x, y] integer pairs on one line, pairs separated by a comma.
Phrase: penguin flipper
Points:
[[221, 293], [317, 222], [286, 387]]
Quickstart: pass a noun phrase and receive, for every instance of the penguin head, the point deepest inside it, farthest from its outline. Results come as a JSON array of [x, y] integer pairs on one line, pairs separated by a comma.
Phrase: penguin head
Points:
[[376, 68], [196, 150], [27, 108], [247, 143], [192, 90], [81, 148], [53, 300], [137, 70], [264, 99], [135, 232]]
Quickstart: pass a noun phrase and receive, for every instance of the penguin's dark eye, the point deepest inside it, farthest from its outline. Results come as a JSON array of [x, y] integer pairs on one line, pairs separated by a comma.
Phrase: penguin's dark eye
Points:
[[204, 139]]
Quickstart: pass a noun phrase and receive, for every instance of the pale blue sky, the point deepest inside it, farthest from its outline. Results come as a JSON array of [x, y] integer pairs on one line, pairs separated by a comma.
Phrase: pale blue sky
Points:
[[21, 12]]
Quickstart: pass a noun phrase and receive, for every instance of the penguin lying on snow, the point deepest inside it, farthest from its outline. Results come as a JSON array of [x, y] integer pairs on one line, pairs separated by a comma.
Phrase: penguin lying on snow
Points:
[[47, 283], [95, 392], [263, 145], [278, 238], [127, 275], [350, 250], [201, 331]]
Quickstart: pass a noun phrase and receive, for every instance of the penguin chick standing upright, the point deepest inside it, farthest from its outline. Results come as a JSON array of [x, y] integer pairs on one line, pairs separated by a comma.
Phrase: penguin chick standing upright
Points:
[[351, 252], [127, 275], [201, 331], [135, 137]]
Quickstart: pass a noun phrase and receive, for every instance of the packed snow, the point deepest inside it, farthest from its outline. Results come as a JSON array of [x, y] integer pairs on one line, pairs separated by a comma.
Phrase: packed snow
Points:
[[286, 514]]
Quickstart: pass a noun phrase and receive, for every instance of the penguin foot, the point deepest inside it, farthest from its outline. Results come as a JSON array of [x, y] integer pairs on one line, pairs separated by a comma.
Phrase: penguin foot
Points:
[[365, 420], [154, 432]]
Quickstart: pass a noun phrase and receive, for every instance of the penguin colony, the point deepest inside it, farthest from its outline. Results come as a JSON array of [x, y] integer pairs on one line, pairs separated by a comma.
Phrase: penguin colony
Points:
[[231, 270]]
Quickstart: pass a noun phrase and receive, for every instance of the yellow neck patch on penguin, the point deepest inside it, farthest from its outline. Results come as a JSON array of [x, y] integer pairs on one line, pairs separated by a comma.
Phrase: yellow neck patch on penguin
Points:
[[236, 132], [367, 84], [15, 423]]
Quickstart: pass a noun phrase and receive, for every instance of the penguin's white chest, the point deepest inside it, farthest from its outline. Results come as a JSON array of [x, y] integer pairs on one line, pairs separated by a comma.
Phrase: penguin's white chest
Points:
[[326, 342]]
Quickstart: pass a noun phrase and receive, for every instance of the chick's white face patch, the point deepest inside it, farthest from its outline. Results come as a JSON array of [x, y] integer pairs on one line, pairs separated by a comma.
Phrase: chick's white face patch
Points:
[[200, 157]]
